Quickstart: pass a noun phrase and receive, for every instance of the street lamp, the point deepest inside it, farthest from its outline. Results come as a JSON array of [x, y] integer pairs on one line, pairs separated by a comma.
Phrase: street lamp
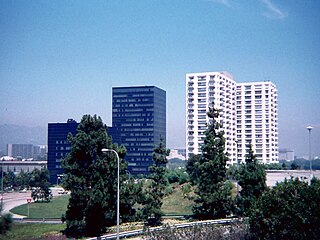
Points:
[[1, 183], [104, 150], [58, 178], [309, 129]]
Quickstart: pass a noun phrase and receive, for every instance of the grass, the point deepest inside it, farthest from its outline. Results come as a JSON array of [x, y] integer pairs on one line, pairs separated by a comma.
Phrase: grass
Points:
[[34, 231], [53, 209], [176, 203], [173, 204]]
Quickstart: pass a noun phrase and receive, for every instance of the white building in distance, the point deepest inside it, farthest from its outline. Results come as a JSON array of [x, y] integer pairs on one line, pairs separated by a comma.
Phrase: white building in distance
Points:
[[248, 114]]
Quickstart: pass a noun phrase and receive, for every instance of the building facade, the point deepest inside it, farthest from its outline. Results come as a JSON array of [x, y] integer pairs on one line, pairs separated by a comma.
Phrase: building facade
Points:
[[138, 122], [58, 146], [19, 166], [248, 114], [257, 120], [204, 90], [24, 151], [286, 154]]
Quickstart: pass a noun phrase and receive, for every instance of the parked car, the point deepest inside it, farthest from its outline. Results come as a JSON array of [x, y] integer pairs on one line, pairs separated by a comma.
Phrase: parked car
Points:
[[23, 190], [62, 191]]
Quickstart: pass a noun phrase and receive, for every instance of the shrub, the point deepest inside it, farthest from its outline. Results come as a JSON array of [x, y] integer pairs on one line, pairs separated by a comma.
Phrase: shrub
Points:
[[288, 211], [5, 223]]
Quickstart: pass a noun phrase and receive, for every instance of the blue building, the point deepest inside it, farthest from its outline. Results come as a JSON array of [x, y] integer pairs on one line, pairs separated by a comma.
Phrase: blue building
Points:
[[138, 121], [58, 146]]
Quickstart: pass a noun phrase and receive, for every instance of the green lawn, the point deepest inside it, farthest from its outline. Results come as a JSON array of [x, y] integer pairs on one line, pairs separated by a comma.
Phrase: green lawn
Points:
[[173, 204], [34, 231], [53, 209], [176, 204]]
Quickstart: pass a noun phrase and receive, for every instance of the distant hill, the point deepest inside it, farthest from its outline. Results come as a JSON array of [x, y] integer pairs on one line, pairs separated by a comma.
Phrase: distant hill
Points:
[[10, 133]]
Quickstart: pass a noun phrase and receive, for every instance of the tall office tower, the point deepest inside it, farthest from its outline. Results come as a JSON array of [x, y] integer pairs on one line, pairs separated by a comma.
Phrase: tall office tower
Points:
[[139, 116], [203, 89], [58, 146], [257, 120]]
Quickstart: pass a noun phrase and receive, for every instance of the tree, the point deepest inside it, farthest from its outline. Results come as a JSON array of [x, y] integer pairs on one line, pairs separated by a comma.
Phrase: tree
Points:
[[9, 180], [91, 176], [39, 181], [155, 191], [213, 194], [178, 175], [23, 179], [252, 179], [288, 211], [192, 167], [294, 166]]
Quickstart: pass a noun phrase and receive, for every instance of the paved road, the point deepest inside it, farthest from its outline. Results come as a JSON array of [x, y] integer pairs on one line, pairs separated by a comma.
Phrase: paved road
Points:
[[14, 199]]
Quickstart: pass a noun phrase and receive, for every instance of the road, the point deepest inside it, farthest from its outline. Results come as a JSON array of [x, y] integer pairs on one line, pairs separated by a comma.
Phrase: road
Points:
[[14, 199]]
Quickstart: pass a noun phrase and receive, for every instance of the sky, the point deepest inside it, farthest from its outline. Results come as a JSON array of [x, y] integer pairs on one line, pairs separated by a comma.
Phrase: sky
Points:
[[60, 59]]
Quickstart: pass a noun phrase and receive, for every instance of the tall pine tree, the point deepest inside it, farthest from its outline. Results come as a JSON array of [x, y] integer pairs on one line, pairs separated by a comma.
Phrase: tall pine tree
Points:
[[155, 191], [213, 195], [252, 179], [91, 176]]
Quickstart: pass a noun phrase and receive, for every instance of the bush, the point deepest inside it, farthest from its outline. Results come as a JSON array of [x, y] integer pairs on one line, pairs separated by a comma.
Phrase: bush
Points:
[[5, 223], [288, 211]]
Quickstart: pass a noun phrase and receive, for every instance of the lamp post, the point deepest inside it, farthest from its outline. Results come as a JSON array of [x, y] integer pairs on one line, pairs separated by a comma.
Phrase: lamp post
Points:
[[58, 178], [104, 150], [1, 183], [238, 165], [309, 129]]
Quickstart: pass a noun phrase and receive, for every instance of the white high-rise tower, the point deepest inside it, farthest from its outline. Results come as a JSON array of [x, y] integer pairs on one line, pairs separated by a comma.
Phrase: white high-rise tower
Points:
[[257, 120], [248, 114], [203, 89]]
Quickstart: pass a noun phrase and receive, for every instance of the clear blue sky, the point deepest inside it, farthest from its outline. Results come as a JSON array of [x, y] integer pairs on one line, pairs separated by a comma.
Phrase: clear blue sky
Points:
[[60, 59]]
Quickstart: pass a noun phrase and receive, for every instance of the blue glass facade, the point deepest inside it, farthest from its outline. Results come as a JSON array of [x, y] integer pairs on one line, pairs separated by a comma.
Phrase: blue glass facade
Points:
[[139, 120], [58, 146]]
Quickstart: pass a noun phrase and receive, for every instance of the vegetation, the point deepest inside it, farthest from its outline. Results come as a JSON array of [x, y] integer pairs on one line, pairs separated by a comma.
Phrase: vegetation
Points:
[[25, 180], [5, 223], [288, 211], [301, 164], [252, 179], [91, 176], [175, 163], [15, 182], [34, 231], [39, 183], [178, 175], [178, 203], [153, 196], [208, 172], [54, 209]]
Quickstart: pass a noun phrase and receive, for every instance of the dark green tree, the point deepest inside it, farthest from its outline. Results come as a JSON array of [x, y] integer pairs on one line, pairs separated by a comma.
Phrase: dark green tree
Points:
[[213, 193], [192, 167], [23, 179], [91, 176], [288, 211], [39, 181], [9, 180], [155, 190], [252, 179], [294, 166]]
